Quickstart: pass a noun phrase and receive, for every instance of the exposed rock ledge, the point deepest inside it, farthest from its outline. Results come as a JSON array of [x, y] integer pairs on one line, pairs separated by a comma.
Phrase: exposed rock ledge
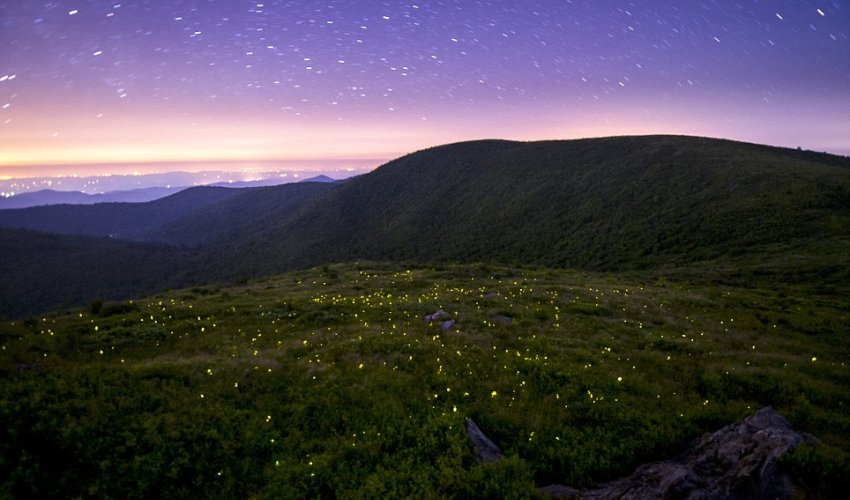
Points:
[[487, 450], [738, 461]]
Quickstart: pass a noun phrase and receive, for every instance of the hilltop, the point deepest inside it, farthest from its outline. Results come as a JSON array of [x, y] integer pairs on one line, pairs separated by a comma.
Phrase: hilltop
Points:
[[613, 204]]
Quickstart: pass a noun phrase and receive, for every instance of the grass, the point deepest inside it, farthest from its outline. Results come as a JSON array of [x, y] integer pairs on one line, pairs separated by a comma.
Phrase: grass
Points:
[[328, 382]]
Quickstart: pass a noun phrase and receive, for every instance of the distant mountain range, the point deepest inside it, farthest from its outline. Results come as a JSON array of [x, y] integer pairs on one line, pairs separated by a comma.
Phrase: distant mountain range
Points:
[[128, 221], [712, 209], [52, 197], [272, 182]]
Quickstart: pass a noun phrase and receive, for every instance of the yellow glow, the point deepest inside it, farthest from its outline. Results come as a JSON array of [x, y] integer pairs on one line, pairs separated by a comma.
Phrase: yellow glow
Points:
[[69, 134], [141, 140]]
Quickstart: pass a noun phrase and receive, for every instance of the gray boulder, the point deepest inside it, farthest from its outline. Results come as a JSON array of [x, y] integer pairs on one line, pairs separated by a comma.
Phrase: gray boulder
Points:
[[501, 320], [438, 316], [738, 461], [487, 450]]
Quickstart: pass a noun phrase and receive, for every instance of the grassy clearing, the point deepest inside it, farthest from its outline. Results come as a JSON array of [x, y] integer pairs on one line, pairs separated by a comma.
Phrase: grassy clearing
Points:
[[328, 382]]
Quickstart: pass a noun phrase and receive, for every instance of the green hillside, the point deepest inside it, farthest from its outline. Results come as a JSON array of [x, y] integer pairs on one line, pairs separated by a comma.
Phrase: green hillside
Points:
[[250, 212], [44, 272], [614, 299], [193, 217], [600, 204], [703, 210], [328, 383], [129, 221]]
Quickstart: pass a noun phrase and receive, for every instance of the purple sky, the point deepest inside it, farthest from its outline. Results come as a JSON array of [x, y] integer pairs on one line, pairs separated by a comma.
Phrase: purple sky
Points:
[[92, 81]]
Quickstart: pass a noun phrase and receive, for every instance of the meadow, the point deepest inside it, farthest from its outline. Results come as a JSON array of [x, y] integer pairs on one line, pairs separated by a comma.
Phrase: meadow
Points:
[[328, 382]]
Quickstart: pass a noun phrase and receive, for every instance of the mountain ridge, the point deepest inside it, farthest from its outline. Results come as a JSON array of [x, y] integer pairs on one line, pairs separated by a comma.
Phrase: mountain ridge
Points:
[[598, 204], [44, 271], [643, 204], [45, 197], [119, 220]]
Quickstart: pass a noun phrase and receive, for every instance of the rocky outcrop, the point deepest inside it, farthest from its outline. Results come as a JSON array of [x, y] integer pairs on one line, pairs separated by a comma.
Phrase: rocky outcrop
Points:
[[437, 316], [487, 450], [739, 461], [442, 318], [501, 320]]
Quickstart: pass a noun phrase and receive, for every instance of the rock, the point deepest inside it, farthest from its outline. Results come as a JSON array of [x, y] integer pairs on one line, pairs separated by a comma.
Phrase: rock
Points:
[[738, 461], [560, 491], [501, 320], [487, 450], [440, 315], [447, 325]]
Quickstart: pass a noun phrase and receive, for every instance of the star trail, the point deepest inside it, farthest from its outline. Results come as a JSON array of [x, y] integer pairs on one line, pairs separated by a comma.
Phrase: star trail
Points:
[[104, 82]]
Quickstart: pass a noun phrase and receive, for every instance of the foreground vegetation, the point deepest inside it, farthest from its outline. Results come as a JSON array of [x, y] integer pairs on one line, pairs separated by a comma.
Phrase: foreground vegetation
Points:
[[329, 382]]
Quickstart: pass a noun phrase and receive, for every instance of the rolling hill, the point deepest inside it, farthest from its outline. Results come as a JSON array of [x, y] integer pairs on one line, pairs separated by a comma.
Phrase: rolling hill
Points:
[[127, 221], [194, 216], [246, 214], [623, 203], [694, 208], [52, 197], [723, 289], [50, 271], [162, 245]]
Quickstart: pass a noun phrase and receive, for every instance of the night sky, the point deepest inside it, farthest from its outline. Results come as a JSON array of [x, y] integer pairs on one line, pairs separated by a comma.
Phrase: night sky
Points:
[[92, 81]]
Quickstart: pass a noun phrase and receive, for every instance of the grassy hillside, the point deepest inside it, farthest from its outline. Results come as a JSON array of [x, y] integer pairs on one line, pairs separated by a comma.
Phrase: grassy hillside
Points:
[[49, 271], [327, 382], [44, 271], [192, 217], [250, 212], [705, 210], [601, 204], [129, 221]]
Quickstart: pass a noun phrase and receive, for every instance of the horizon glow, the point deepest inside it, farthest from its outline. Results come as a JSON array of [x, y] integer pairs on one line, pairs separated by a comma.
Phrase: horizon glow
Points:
[[102, 84]]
